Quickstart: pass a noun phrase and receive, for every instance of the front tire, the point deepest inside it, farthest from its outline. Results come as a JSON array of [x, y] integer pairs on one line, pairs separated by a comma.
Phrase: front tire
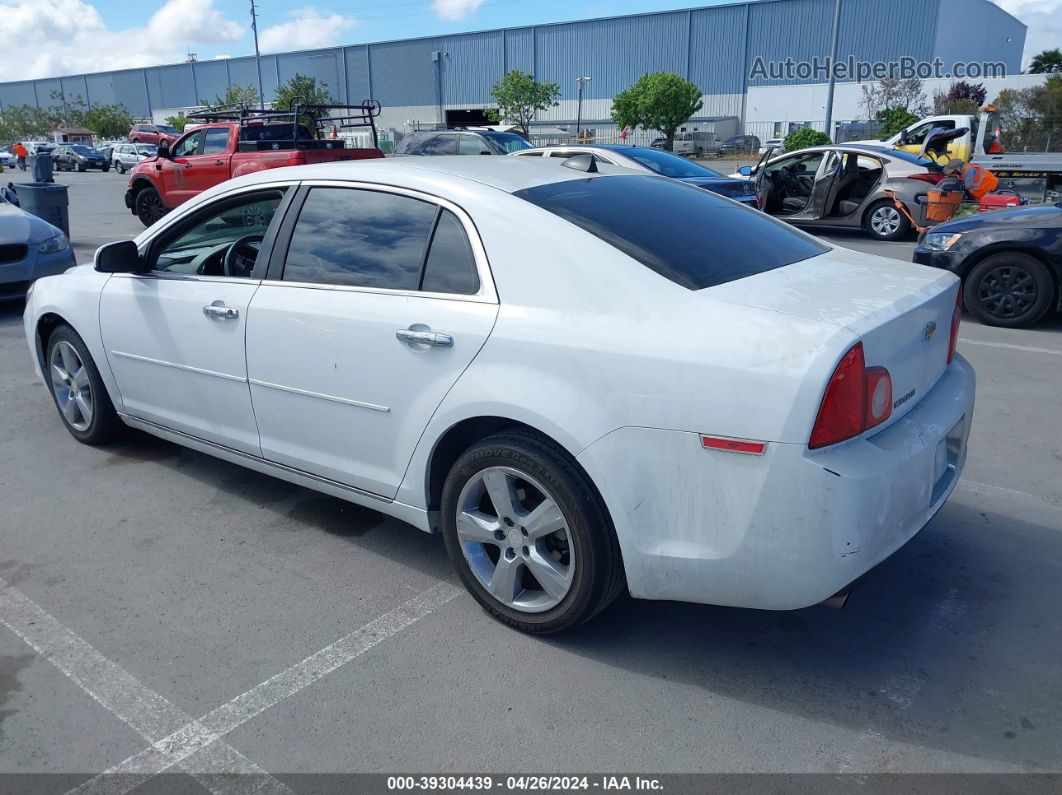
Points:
[[1009, 289], [149, 206], [119, 167], [529, 535], [77, 389], [81, 168], [884, 221]]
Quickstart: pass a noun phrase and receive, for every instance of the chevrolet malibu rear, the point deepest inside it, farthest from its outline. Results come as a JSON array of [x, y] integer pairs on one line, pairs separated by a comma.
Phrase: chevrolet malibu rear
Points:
[[581, 388]]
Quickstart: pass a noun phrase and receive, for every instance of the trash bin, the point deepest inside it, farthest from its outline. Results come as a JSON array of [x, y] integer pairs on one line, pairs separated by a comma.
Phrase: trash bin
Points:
[[45, 200], [40, 166]]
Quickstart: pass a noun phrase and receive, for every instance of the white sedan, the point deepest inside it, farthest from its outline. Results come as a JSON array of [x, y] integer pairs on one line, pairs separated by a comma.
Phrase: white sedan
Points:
[[581, 387]]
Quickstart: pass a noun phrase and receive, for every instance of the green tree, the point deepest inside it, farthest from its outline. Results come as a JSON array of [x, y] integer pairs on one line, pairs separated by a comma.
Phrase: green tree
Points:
[[1047, 62], [520, 97], [309, 91], [25, 122], [109, 121], [895, 119], [805, 137], [68, 111], [658, 101], [236, 94], [961, 97], [177, 122]]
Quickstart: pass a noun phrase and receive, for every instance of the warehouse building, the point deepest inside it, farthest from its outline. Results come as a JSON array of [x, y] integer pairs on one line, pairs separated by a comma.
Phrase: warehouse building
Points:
[[723, 49]]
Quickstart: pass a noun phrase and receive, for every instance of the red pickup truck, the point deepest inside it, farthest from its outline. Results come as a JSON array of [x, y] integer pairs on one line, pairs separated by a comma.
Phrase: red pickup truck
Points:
[[219, 150]]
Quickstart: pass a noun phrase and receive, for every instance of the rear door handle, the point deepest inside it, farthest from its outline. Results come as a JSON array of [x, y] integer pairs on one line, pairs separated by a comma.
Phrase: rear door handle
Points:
[[432, 338], [221, 311]]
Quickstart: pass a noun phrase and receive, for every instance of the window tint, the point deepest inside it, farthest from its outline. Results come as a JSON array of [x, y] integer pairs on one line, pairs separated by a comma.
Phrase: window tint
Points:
[[200, 248], [648, 218], [451, 267], [188, 146], [440, 145], [359, 238], [472, 145], [217, 141]]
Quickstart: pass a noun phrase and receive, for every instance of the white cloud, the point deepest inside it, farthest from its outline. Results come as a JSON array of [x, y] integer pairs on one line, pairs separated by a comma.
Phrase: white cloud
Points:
[[306, 29], [1044, 19], [47, 38], [454, 10]]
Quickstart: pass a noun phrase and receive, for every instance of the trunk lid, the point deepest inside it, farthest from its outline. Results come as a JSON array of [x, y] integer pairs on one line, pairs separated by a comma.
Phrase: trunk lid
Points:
[[901, 311]]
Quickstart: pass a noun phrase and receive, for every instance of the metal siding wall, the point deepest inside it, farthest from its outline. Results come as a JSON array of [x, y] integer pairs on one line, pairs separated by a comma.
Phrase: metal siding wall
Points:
[[519, 49], [358, 74], [128, 87], [717, 49], [799, 29], [17, 94], [74, 87], [325, 65], [176, 89], [472, 64], [986, 33], [865, 38], [615, 52], [45, 89], [101, 89], [211, 79], [403, 72]]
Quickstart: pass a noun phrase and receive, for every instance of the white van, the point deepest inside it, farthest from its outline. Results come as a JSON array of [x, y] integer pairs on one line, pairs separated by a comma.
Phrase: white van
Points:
[[696, 143]]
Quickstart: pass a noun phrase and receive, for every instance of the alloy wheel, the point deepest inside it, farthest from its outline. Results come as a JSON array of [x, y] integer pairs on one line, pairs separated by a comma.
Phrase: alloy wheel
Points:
[[885, 221], [1007, 292], [71, 386], [515, 539]]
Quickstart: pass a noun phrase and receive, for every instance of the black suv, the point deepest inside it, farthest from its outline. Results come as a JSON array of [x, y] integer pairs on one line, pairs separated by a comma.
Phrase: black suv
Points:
[[460, 142], [740, 145], [71, 156]]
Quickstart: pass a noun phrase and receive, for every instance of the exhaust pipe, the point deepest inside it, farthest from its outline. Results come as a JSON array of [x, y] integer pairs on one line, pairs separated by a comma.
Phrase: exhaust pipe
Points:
[[838, 600]]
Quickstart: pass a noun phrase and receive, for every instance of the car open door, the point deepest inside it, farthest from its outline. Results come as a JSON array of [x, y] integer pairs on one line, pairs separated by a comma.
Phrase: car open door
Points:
[[756, 174]]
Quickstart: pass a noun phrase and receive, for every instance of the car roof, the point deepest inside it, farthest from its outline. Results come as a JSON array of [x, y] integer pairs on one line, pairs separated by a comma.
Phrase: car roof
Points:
[[508, 174]]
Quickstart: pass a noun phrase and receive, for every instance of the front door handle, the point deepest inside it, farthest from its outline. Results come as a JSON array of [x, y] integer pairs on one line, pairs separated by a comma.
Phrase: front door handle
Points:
[[221, 311], [432, 338]]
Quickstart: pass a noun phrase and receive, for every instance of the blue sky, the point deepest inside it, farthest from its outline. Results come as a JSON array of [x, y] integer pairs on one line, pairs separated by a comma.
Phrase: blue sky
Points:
[[45, 38]]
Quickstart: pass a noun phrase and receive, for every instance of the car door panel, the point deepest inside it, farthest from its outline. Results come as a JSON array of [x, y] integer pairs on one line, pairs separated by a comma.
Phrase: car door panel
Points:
[[336, 393], [176, 365], [177, 176]]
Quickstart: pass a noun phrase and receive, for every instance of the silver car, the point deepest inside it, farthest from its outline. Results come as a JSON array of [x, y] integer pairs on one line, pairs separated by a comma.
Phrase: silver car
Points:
[[125, 156], [845, 186]]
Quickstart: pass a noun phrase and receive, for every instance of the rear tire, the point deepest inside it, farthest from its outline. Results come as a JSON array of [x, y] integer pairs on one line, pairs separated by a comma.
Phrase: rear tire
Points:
[[119, 167], [1010, 290], [884, 221], [579, 561], [149, 206], [77, 389], [81, 168]]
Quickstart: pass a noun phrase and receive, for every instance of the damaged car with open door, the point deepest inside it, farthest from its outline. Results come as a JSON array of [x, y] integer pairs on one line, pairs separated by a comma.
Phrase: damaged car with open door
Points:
[[848, 186]]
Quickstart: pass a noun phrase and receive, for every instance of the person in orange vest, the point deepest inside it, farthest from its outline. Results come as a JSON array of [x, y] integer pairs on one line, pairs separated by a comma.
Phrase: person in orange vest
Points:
[[978, 180], [19, 151]]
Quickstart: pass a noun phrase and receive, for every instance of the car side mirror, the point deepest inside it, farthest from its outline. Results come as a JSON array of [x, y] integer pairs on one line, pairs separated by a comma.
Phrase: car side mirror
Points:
[[163, 149], [745, 171], [118, 257]]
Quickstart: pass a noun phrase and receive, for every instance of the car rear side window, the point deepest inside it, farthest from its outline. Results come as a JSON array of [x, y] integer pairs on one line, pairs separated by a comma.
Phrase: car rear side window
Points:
[[359, 238], [689, 235], [451, 266]]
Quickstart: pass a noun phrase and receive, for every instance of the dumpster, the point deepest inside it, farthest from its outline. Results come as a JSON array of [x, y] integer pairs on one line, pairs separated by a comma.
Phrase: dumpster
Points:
[[45, 200], [40, 166]]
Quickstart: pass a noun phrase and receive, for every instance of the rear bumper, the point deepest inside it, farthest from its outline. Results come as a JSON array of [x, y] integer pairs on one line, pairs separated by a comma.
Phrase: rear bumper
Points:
[[787, 529]]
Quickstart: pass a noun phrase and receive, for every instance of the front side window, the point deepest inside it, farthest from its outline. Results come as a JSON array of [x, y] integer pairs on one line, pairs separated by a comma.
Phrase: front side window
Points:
[[472, 145], [359, 238], [648, 219], [222, 241], [189, 145], [216, 141], [440, 145]]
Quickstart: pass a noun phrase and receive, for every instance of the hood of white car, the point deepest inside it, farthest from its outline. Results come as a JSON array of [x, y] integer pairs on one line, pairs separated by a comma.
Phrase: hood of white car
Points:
[[18, 226]]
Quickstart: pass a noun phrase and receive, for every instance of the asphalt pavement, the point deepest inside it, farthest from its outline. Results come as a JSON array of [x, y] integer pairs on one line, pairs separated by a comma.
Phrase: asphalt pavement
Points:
[[164, 610]]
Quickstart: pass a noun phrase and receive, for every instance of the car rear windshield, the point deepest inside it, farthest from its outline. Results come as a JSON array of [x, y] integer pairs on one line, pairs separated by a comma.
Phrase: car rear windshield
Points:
[[507, 142], [686, 234], [908, 157]]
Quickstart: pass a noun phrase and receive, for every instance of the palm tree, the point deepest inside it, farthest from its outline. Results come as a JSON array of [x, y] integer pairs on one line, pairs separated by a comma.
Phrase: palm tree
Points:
[[1046, 62]]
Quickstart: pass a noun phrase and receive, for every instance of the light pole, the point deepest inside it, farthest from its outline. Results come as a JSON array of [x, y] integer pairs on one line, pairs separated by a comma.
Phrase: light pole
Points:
[[257, 56], [833, 63], [582, 81]]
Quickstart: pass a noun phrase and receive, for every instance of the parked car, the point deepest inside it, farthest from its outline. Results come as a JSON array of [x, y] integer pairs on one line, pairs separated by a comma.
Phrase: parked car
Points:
[[7, 157], [153, 134], [581, 387], [740, 145], [125, 156], [844, 185], [777, 145], [659, 143], [217, 150], [30, 248], [647, 160], [460, 142], [1010, 262], [106, 148], [69, 157], [696, 142]]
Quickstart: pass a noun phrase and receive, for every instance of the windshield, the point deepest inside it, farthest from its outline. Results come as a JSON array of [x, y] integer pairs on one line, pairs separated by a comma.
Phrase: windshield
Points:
[[508, 142], [165, 129], [691, 236], [147, 149], [668, 164], [84, 150]]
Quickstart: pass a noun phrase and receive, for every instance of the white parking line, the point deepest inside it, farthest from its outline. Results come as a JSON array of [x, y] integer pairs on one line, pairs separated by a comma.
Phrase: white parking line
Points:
[[1008, 346], [1010, 494], [142, 709], [196, 736]]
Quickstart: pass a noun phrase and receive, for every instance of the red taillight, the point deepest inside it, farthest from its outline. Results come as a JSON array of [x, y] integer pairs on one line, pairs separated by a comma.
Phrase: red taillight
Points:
[[956, 316], [857, 398], [930, 177]]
